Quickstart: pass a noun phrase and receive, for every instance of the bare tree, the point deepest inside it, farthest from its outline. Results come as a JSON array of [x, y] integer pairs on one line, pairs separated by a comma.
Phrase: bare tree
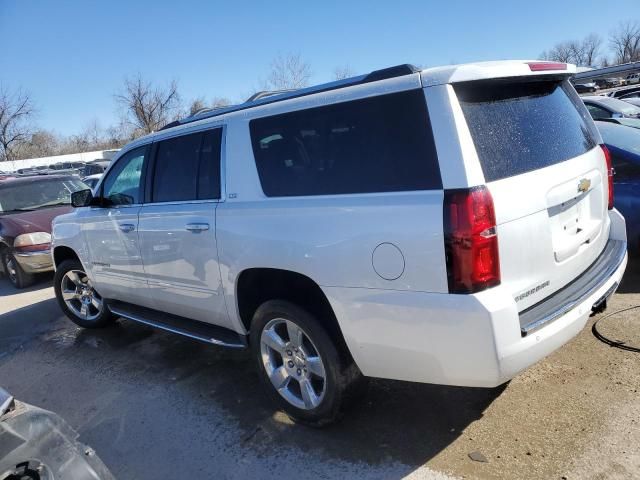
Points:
[[149, 108], [219, 102], [16, 113], [625, 42], [576, 52], [591, 48], [342, 72], [561, 52], [196, 105], [41, 143], [289, 71], [200, 103], [581, 52]]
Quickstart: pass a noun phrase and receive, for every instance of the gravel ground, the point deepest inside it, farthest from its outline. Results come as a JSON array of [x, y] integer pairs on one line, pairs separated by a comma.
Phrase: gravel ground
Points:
[[155, 405]]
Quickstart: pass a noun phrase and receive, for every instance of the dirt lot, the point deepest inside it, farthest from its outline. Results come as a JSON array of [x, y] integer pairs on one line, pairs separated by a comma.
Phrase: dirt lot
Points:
[[154, 405]]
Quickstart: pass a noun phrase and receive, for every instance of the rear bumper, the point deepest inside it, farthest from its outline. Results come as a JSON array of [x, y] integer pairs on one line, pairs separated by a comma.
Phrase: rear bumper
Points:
[[35, 262], [567, 298], [466, 340]]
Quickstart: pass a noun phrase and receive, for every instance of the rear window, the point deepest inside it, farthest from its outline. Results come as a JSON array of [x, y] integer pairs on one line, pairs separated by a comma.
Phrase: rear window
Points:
[[524, 126], [379, 144]]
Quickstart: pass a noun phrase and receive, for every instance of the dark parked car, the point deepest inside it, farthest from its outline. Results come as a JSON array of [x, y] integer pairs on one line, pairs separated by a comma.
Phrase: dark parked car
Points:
[[624, 146], [95, 167], [27, 207], [608, 82], [590, 87]]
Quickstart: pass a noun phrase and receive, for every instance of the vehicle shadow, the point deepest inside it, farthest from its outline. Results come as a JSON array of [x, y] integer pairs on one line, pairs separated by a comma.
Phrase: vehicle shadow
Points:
[[43, 280], [631, 279], [395, 421]]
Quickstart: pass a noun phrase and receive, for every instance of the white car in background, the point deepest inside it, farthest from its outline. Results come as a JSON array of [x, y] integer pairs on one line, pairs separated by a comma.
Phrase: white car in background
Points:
[[452, 225], [632, 78]]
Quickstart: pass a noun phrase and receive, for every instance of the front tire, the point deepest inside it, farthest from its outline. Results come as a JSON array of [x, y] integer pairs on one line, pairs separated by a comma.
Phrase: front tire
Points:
[[16, 275], [300, 366], [77, 297]]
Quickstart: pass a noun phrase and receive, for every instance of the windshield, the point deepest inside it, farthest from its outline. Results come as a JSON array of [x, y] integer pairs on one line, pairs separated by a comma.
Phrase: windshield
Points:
[[25, 196]]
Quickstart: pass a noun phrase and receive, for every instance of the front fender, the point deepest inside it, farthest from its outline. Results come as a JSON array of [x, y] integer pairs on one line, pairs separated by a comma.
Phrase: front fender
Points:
[[67, 232]]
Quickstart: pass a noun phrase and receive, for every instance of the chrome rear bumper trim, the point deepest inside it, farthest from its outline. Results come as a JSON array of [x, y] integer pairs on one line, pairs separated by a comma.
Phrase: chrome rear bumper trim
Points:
[[568, 297]]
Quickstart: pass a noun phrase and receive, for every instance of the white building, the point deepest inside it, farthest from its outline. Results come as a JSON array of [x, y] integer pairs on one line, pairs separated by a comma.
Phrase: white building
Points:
[[14, 165]]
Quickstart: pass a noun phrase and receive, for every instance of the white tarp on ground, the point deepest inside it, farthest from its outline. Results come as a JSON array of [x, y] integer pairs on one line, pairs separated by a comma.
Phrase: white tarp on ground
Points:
[[72, 157]]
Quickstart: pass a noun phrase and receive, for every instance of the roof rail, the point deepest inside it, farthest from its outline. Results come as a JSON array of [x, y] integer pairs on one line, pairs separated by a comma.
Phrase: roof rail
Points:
[[268, 93], [265, 98]]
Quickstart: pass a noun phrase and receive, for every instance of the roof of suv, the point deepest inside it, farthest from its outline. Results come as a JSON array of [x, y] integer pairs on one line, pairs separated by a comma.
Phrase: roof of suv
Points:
[[429, 77]]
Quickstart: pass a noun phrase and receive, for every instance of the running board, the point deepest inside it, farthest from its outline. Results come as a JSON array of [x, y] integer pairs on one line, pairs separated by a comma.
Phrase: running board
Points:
[[204, 332]]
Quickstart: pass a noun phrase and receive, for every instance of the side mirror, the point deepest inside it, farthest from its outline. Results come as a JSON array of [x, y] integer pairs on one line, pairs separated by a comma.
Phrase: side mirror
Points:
[[81, 198]]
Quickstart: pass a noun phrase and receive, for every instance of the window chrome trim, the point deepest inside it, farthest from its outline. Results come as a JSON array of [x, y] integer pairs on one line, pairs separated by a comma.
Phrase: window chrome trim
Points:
[[181, 202]]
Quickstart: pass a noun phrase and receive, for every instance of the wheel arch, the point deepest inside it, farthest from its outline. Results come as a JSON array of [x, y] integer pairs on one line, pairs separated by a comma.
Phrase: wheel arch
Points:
[[254, 286], [62, 253]]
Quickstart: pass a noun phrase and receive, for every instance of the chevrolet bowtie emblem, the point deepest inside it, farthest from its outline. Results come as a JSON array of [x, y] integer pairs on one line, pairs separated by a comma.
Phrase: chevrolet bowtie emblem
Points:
[[584, 185]]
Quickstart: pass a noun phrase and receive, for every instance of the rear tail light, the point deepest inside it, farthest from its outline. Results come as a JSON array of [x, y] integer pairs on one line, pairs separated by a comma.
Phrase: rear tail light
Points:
[[471, 241], [544, 66], [607, 157]]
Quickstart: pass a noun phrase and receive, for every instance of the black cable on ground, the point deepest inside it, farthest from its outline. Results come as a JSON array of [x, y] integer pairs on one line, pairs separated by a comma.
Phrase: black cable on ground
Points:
[[613, 343]]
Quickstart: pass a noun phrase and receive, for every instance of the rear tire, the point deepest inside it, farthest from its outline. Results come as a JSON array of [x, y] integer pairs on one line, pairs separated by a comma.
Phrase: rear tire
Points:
[[77, 298], [16, 275], [293, 351]]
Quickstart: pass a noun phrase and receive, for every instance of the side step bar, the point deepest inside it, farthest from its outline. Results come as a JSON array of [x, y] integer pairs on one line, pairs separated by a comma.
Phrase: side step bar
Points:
[[204, 332]]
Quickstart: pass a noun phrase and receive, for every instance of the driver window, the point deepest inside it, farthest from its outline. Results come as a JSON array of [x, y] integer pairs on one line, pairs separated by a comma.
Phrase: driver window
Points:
[[122, 186]]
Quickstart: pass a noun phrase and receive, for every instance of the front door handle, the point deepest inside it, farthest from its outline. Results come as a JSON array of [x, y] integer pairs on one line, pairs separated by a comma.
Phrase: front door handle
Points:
[[197, 227], [127, 227]]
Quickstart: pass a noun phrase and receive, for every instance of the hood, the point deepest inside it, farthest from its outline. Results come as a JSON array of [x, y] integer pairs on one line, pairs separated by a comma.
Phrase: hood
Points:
[[26, 222]]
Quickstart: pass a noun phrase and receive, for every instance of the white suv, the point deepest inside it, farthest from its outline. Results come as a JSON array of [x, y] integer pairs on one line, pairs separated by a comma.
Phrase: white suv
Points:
[[633, 78], [452, 225]]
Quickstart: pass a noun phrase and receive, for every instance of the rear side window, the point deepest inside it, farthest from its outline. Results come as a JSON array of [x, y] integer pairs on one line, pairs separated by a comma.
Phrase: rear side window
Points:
[[524, 126], [188, 168], [379, 144]]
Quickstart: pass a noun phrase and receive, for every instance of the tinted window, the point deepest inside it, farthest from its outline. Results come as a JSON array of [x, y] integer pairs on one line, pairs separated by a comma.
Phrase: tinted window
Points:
[[122, 186], [209, 173], [188, 167], [380, 144], [524, 126]]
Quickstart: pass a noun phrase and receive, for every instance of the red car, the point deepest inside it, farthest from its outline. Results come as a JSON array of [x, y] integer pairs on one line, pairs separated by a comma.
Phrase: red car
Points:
[[27, 207]]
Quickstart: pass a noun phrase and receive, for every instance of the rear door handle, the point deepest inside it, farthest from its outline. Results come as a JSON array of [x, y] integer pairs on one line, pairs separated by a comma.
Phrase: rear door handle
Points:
[[197, 227], [127, 227]]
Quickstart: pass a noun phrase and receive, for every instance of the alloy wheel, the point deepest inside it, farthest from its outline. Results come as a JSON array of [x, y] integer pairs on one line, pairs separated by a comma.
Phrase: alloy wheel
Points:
[[293, 364], [79, 296]]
